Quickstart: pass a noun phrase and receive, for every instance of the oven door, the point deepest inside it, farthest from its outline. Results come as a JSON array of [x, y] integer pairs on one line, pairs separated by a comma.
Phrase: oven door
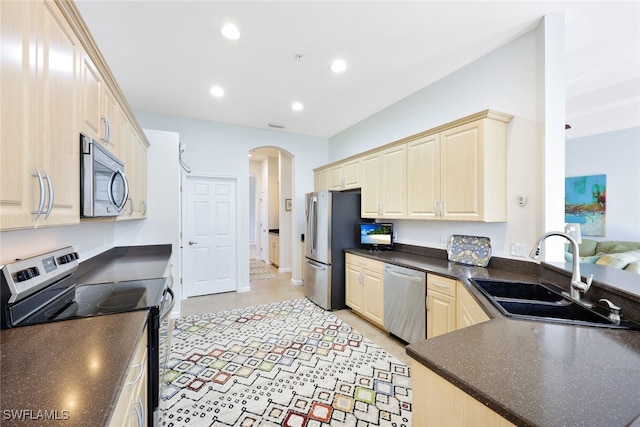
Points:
[[165, 330]]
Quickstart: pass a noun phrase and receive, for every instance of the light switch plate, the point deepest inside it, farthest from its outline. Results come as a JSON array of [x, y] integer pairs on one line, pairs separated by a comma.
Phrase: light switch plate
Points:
[[518, 249]]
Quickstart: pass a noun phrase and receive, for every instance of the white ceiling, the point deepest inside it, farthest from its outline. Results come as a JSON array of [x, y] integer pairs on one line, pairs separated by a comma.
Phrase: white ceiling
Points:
[[166, 55]]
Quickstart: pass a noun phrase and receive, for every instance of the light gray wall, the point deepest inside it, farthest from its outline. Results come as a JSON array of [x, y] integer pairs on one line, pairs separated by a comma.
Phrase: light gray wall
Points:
[[511, 80], [616, 155], [222, 149]]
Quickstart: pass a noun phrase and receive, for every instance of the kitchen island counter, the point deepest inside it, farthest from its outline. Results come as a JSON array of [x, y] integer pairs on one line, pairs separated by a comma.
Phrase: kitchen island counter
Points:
[[535, 373], [71, 371], [541, 374]]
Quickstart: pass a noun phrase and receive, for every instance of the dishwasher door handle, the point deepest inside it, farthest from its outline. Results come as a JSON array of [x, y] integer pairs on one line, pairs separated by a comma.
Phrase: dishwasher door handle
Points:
[[403, 276]]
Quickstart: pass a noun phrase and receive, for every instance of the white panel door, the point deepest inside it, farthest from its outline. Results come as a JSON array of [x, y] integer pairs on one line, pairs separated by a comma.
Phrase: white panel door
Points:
[[210, 240]]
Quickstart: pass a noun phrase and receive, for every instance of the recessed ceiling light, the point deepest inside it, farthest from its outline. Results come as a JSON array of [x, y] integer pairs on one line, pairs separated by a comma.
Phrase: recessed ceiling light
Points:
[[230, 31], [217, 91], [296, 106], [338, 66]]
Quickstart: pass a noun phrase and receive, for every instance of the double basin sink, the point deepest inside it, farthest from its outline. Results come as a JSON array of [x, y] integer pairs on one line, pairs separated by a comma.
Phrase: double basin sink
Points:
[[538, 301]]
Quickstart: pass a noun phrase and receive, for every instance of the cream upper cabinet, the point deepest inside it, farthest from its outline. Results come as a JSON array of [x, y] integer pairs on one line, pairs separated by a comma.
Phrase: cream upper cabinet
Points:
[[423, 177], [40, 142], [91, 96], [134, 155], [351, 174], [17, 156], [474, 171], [110, 122], [384, 188], [336, 177], [344, 176], [459, 174], [364, 287], [454, 172], [321, 180], [370, 193]]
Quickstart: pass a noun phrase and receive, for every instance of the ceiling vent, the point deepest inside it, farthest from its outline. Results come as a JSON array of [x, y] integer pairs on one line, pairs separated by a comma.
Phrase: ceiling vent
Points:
[[276, 126]]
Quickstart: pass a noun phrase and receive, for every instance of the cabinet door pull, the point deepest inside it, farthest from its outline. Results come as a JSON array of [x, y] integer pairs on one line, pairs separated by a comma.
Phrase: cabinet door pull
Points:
[[436, 284], [141, 366], [51, 195], [139, 413], [426, 302], [41, 203]]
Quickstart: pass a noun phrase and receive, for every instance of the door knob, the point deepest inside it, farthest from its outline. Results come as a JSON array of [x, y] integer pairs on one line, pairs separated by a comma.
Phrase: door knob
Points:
[[191, 243]]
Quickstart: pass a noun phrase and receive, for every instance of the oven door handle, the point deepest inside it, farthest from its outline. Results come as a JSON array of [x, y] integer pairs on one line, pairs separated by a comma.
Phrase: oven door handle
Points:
[[169, 307]]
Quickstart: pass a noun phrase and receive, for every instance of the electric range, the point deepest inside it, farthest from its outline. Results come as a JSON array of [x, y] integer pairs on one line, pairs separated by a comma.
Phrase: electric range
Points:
[[43, 289]]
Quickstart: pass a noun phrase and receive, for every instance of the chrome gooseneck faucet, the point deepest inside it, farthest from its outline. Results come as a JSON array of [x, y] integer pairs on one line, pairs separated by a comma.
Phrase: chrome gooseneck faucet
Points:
[[578, 287]]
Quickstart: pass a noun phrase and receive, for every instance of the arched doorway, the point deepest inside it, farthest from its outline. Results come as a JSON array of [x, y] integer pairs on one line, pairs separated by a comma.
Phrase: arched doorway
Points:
[[271, 209]]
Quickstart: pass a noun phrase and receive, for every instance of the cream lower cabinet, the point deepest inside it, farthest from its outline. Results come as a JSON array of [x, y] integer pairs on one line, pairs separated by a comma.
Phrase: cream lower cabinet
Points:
[[39, 139], [437, 402], [274, 249], [365, 287], [468, 311], [131, 407], [441, 305], [450, 306]]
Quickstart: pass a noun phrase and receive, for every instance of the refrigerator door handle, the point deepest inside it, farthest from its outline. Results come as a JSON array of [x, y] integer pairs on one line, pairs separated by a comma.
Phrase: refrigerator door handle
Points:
[[316, 265], [313, 220]]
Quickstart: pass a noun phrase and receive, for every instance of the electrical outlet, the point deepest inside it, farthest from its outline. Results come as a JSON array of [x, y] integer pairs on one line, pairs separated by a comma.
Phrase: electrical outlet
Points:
[[518, 249]]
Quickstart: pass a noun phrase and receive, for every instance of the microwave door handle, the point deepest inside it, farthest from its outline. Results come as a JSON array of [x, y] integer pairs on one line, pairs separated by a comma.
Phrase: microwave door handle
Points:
[[112, 180]]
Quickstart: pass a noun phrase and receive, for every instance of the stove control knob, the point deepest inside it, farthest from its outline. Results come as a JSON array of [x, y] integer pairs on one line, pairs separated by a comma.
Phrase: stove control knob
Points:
[[64, 259], [27, 273]]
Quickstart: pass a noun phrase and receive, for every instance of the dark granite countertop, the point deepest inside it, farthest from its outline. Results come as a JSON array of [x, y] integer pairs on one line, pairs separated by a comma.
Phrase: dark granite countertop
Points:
[[75, 367], [536, 373], [125, 263], [78, 365]]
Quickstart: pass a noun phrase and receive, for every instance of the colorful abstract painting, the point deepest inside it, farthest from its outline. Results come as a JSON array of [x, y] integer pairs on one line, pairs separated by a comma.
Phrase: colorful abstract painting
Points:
[[585, 202]]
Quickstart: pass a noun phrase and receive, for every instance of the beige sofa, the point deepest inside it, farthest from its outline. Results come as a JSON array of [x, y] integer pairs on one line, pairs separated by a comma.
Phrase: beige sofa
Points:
[[612, 253]]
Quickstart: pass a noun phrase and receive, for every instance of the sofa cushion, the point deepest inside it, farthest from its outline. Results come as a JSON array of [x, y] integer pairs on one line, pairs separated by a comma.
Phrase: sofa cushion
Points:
[[619, 260], [588, 247], [616, 246]]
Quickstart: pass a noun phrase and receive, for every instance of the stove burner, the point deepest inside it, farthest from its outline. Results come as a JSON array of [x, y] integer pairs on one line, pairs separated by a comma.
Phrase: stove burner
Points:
[[84, 296], [127, 287], [129, 300], [68, 310]]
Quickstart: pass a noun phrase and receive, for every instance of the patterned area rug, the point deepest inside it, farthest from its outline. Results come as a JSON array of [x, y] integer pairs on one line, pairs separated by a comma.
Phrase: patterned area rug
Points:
[[283, 364], [258, 270]]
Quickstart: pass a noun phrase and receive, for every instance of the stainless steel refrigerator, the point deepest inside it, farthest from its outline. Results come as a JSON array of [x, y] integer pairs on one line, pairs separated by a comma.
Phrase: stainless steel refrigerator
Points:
[[332, 220]]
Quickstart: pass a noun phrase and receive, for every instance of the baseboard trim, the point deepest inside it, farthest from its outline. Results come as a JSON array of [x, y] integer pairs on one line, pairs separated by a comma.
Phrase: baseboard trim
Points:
[[297, 282]]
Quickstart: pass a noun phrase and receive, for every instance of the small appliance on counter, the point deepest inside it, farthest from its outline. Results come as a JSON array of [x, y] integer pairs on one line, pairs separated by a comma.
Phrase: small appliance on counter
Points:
[[332, 220], [376, 235]]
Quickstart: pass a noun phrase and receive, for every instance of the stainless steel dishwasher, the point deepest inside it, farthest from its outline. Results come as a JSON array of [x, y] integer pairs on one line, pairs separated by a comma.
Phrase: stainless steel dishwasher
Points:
[[405, 315]]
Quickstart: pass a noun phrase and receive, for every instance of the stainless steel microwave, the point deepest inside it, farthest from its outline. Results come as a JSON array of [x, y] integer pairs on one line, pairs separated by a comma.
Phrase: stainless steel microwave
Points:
[[103, 184]]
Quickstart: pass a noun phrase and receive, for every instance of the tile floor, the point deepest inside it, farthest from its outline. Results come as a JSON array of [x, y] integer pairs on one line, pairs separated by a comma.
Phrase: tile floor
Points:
[[281, 289]]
